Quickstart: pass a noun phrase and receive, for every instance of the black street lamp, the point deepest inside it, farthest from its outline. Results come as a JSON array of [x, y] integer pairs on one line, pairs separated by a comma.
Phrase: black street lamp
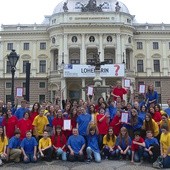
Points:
[[13, 59]]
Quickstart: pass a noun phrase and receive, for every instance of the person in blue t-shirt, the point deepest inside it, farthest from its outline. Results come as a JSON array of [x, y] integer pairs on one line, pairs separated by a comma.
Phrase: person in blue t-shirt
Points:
[[20, 111], [167, 110], [83, 121], [123, 144], [29, 148], [152, 149], [13, 149], [92, 144], [76, 145]]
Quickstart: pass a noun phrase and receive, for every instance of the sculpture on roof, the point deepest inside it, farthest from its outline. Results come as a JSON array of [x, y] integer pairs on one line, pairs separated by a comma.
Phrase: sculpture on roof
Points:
[[65, 8], [117, 8], [91, 7]]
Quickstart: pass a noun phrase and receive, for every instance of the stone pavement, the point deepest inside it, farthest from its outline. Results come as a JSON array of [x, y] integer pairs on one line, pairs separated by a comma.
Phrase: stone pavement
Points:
[[60, 165]]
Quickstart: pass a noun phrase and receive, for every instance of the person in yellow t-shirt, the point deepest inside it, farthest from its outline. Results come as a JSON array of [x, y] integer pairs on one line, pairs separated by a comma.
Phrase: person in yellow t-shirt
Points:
[[3, 145], [165, 146], [45, 147], [150, 125], [165, 120], [109, 142], [40, 122]]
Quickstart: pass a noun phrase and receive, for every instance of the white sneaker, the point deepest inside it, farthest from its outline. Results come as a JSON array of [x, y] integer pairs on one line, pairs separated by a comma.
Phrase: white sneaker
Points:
[[1, 163]]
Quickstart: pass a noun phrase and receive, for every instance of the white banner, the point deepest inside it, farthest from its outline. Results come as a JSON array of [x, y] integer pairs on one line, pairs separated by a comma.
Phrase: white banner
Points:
[[107, 70]]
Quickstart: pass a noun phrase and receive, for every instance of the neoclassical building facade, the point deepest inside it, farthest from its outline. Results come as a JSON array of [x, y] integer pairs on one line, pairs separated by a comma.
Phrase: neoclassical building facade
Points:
[[72, 35]]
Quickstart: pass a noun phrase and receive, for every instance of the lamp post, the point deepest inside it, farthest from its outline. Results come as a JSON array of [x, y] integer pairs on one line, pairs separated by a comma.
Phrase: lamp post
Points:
[[13, 59]]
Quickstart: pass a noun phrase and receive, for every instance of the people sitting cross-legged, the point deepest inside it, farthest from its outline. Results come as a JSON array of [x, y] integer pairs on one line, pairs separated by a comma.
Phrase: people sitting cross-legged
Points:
[[45, 147], [59, 144], [92, 144], [76, 145], [29, 148], [13, 149]]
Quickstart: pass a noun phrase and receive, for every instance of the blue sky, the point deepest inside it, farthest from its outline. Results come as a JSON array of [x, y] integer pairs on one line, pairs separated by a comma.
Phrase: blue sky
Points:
[[33, 11]]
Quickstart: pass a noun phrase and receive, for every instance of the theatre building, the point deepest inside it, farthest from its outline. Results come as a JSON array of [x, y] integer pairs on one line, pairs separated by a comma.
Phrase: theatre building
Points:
[[62, 48]]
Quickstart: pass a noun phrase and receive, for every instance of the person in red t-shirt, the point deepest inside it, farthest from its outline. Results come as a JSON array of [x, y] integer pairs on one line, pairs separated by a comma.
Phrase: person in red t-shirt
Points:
[[102, 125], [137, 147], [118, 91], [24, 125], [59, 144], [9, 123], [116, 123], [57, 121]]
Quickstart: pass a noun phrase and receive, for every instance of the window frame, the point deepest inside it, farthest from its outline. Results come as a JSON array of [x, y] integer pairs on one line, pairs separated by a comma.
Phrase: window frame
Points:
[[140, 66], [42, 66]]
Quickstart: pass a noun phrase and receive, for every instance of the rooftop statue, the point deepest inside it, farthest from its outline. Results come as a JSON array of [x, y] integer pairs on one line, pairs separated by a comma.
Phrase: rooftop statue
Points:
[[91, 7], [65, 8], [117, 8]]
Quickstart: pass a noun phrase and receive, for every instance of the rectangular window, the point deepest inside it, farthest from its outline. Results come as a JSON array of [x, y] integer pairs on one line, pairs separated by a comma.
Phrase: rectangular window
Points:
[[157, 84], [42, 46], [10, 46], [41, 84], [24, 65], [139, 45], [90, 61], [8, 85], [156, 65], [8, 98], [42, 66], [26, 46], [41, 98], [75, 61], [139, 65], [8, 67], [109, 61], [155, 45]]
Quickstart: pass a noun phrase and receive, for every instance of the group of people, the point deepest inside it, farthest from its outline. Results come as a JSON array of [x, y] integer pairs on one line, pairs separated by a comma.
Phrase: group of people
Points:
[[96, 130]]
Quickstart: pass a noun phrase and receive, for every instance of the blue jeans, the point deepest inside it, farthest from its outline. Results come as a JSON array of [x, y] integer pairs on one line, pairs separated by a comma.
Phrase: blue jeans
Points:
[[59, 152], [30, 158], [108, 153], [118, 154], [97, 156], [138, 154], [166, 162]]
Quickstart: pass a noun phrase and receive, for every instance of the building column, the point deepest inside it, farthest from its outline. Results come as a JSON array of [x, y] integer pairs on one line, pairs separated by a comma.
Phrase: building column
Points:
[[2, 67], [83, 57], [148, 60], [101, 50], [61, 50], [83, 83], [34, 60], [164, 61], [118, 49], [65, 49]]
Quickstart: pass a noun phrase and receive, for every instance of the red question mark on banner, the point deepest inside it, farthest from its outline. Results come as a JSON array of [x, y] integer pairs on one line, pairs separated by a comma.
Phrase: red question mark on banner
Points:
[[117, 69]]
